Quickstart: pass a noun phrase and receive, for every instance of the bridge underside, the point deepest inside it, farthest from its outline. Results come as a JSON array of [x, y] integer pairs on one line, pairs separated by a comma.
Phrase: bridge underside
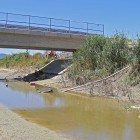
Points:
[[37, 40], [36, 48]]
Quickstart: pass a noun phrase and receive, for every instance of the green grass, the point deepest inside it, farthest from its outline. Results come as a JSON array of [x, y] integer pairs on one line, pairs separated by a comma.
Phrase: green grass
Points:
[[24, 60]]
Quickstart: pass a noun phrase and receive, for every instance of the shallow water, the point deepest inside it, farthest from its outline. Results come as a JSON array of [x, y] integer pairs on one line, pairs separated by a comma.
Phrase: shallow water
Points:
[[82, 118]]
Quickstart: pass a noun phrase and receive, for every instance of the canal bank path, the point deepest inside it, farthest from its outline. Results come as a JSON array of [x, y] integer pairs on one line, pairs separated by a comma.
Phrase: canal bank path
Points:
[[14, 127]]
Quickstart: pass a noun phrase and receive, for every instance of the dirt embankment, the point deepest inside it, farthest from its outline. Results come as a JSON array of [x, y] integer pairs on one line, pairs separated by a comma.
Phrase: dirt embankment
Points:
[[112, 86], [13, 73]]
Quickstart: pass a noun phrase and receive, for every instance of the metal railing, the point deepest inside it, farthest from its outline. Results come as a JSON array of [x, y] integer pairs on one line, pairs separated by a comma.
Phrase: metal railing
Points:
[[28, 22]]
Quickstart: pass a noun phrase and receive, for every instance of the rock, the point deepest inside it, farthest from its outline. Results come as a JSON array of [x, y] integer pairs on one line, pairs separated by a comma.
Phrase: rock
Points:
[[44, 90], [135, 107]]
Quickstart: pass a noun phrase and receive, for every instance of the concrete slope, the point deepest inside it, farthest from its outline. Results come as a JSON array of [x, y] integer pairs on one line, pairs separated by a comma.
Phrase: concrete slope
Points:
[[50, 70]]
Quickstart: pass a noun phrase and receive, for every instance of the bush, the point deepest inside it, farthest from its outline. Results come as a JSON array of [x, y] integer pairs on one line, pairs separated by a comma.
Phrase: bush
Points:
[[102, 55], [134, 76], [23, 60], [88, 56], [115, 54]]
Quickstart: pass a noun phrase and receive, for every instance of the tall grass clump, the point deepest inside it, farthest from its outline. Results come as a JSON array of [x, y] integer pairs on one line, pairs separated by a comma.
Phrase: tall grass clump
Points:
[[116, 54], [134, 76]]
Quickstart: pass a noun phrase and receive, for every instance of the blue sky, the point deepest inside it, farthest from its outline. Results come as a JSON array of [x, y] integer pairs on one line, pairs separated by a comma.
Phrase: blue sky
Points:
[[117, 15]]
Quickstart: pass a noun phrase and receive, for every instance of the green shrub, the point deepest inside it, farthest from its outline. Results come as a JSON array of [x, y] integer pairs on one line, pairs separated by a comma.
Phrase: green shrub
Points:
[[87, 57], [102, 55], [134, 76], [23, 60], [115, 54]]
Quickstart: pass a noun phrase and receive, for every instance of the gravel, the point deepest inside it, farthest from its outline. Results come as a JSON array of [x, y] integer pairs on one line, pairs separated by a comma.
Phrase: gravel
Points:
[[14, 127]]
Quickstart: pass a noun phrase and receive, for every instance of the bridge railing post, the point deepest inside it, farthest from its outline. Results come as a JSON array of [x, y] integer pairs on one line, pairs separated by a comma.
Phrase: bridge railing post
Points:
[[87, 27], [50, 23], [6, 20], [29, 22], [69, 26], [103, 29]]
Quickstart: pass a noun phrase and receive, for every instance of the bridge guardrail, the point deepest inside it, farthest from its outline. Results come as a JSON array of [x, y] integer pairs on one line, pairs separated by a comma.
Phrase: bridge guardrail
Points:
[[29, 22]]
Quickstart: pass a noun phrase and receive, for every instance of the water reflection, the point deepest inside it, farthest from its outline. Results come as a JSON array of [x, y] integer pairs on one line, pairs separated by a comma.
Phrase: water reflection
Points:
[[80, 117], [13, 97]]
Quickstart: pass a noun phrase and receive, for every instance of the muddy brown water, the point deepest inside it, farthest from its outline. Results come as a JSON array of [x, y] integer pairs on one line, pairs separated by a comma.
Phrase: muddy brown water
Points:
[[81, 118]]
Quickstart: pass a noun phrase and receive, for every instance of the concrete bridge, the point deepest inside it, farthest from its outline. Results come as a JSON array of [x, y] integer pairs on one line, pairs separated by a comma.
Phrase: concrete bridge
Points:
[[42, 33]]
